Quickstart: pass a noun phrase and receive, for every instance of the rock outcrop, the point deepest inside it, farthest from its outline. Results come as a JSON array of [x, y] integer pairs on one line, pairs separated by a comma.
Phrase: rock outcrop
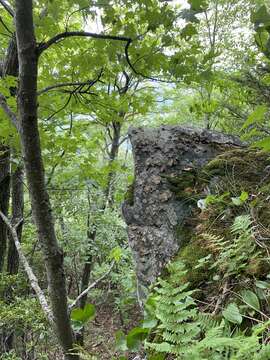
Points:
[[159, 203]]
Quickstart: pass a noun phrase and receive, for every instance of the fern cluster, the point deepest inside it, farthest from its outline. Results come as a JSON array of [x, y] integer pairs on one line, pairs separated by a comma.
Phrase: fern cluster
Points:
[[176, 312], [185, 333], [233, 254]]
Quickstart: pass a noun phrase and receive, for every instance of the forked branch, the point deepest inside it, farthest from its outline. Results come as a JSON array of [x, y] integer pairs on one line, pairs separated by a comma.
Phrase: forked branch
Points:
[[91, 286]]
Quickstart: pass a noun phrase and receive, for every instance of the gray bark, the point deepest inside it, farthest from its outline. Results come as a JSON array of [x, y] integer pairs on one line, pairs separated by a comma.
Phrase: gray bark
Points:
[[155, 215]]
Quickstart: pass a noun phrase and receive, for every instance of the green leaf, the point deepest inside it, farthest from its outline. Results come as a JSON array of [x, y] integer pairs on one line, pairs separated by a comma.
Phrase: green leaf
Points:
[[157, 357], [121, 341], [135, 338], [188, 31], [257, 116], [261, 39], [240, 199], [232, 314], [116, 254], [251, 299], [262, 284], [83, 315], [244, 196], [149, 323], [261, 16], [263, 144], [198, 5]]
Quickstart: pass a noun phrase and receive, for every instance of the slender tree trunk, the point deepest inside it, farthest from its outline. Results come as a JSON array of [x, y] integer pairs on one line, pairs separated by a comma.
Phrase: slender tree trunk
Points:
[[4, 199], [17, 215], [113, 154], [88, 265], [30, 141], [10, 67]]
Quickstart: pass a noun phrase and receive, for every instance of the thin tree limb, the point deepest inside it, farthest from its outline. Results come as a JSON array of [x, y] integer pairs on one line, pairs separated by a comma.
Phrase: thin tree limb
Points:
[[60, 37], [5, 26], [91, 286], [7, 8], [11, 115], [31, 276], [68, 84]]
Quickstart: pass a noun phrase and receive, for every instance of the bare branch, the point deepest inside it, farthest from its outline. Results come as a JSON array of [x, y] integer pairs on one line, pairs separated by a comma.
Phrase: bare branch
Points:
[[5, 26], [94, 284], [7, 7], [11, 115], [31, 276], [68, 84], [60, 37]]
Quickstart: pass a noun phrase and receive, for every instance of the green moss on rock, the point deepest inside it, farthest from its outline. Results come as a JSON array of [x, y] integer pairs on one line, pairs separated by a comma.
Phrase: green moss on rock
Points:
[[190, 255], [129, 195]]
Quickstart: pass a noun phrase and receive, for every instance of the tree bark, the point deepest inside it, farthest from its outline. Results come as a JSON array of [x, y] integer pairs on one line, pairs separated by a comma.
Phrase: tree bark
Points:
[[30, 141], [4, 199], [10, 67], [113, 154], [17, 215]]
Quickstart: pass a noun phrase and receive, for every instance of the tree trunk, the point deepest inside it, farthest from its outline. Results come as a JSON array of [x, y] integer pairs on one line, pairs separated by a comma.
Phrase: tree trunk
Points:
[[30, 141], [4, 199], [10, 67], [13, 257], [113, 154], [17, 215]]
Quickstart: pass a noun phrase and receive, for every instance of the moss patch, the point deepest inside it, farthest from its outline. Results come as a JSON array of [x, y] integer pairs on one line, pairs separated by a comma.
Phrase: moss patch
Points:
[[236, 171], [129, 195], [190, 255]]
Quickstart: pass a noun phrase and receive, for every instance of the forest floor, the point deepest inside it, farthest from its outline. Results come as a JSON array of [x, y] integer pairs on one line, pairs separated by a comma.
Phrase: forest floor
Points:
[[100, 335]]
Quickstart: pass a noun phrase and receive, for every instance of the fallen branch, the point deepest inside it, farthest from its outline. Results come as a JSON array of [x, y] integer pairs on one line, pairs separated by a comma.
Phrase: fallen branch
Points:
[[31, 276], [94, 284]]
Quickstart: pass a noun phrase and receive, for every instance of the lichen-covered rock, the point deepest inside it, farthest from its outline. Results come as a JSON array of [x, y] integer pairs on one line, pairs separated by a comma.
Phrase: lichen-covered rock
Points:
[[159, 204]]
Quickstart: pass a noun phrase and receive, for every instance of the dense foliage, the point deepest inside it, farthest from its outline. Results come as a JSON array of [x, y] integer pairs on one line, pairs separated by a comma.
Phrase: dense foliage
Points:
[[128, 63]]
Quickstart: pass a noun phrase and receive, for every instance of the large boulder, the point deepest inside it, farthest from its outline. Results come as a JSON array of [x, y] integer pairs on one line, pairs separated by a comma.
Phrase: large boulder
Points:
[[160, 202]]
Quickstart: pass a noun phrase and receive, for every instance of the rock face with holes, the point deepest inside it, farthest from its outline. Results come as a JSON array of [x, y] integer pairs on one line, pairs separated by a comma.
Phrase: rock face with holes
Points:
[[157, 216]]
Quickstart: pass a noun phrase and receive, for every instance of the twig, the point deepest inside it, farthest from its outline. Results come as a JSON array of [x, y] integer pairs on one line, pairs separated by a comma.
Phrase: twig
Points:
[[31, 276], [57, 86], [91, 286], [222, 297]]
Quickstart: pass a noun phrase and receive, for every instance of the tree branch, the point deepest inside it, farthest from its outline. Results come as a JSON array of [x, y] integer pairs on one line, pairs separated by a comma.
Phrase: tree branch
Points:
[[60, 37], [7, 7], [31, 276], [68, 84], [11, 115], [94, 284]]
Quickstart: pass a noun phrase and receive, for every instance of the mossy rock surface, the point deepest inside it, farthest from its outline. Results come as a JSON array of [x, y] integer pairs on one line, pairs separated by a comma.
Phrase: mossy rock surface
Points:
[[226, 177]]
